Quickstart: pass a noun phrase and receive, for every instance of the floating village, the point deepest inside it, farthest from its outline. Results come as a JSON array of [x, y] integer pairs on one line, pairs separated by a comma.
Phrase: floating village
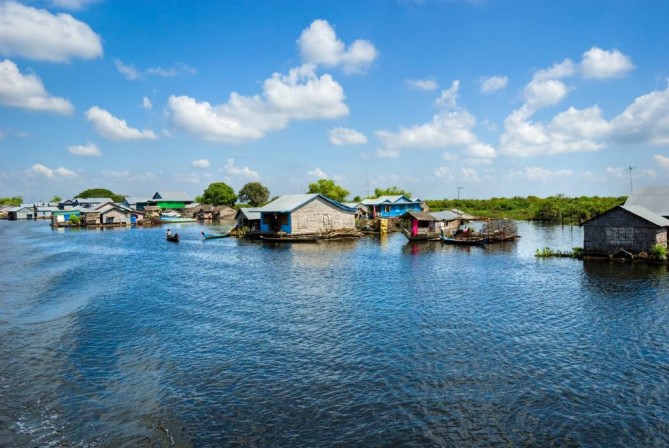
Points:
[[635, 230]]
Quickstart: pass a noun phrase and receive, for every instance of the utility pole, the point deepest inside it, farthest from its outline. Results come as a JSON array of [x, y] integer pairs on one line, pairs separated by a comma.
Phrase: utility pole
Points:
[[630, 168], [460, 188]]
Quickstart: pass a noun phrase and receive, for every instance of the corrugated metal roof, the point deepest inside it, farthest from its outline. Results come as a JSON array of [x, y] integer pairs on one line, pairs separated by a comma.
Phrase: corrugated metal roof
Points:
[[93, 200], [646, 214], [655, 199], [399, 199], [420, 216], [290, 202], [249, 213], [446, 215]]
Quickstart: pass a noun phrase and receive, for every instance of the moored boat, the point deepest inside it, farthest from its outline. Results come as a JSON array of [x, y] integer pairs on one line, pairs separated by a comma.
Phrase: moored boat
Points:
[[426, 236], [211, 236], [173, 238], [173, 217], [468, 241]]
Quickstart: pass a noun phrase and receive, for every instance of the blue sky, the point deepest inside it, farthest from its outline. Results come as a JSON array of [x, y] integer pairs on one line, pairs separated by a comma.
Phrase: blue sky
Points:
[[499, 98]]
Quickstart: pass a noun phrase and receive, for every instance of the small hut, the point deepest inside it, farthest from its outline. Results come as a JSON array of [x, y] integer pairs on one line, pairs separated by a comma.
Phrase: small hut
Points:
[[249, 218], [630, 228], [420, 226]]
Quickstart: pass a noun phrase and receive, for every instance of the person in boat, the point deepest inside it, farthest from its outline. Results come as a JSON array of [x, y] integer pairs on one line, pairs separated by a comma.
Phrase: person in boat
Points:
[[169, 233]]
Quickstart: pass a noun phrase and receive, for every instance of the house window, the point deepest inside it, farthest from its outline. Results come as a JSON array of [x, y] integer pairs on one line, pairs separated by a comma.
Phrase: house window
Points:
[[387, 209]]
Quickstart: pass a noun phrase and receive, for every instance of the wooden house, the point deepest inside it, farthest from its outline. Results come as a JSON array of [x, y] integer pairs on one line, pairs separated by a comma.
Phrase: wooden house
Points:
[[631, 228], [152, 211], [362, 210], [392, 206], [302, 214], [249, 218], [420, 226], [450, 221]]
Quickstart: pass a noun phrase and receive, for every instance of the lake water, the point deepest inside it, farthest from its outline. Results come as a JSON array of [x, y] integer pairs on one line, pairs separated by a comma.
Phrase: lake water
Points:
[[119, 338]]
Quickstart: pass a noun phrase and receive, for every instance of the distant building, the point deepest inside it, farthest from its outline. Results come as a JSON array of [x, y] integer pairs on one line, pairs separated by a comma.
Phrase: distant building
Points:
[[171, 201], [392, 206], [305, 214], [632, 228], [21, 213]]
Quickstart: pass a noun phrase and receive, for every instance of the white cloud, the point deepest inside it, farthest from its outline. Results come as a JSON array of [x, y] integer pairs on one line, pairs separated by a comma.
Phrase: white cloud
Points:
[[74, 5], [449, 156], [40, 170], [481, 150], [27, 91], [200, 163], [564, 69], [344, 136], [423, 84], [476, 162], [536, 173], [245, 172], [470, 174], [663, 161], [543, 93], [89, 150], [494, 83], [449, 97], [602, 64], [146, 104], [317, 173], [319, 45], [300, 95], [132, 73], [616, 172], [443, 171], [113, 128], [37, 34], [646, 120]]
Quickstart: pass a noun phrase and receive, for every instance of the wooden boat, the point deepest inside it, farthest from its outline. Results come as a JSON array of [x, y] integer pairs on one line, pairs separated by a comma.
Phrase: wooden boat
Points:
[[469, 241], [289, 239], [211, 236], [428, 236], [173, 238]]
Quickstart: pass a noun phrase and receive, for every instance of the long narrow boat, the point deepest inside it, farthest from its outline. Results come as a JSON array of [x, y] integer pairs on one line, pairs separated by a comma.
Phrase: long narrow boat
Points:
[[289, 239], [427, 236], [211, 236], [173, 238], [472, 241]]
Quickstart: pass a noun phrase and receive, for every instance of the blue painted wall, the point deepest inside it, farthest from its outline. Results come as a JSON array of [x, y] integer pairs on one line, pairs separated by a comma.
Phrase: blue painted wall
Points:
[[396, 209], [264, 227]]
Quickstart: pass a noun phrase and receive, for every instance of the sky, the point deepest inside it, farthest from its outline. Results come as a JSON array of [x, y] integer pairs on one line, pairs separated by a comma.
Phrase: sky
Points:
[[442, 98]]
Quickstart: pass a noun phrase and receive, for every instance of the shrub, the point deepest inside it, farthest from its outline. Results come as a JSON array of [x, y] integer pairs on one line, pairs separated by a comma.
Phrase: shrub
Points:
[[660, 251], [75, 220]]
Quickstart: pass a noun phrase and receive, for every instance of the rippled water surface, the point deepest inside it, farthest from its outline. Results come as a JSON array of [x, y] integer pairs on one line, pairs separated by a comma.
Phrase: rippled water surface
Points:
[[119, 338]]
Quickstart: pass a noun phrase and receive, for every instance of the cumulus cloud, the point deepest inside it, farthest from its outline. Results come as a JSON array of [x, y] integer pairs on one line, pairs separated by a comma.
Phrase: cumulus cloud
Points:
[[37, 34], [89, 150], [317, 173], [543, 93], [646, 120], [40, 170], [147, 104], [423, 84], [319, 45], [27, 91], [300, 95], [344, 136], [663, 161], [113, 128], [559, 70], [494, 83], [602, 64], [200, 163], [442, 171], [470, 174], [245, 172], [449, 156], [132, 73]]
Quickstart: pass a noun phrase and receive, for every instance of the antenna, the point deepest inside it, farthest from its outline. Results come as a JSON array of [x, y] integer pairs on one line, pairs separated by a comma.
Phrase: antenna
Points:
[[630, 168], [460, 188]]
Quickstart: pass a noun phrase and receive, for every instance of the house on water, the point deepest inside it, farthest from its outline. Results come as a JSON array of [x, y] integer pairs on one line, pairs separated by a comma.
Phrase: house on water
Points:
[[171, 201], [22, 212], [249, 218], [631, 228], [302, 214], [392, 206]]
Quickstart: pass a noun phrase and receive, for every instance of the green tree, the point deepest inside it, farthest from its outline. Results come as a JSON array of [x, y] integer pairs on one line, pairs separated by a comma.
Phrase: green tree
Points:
[[100, 193], [56, 198], [357, 199], [254, 193], [392, 191], [15, 201], [327, 187], [219, 193]]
